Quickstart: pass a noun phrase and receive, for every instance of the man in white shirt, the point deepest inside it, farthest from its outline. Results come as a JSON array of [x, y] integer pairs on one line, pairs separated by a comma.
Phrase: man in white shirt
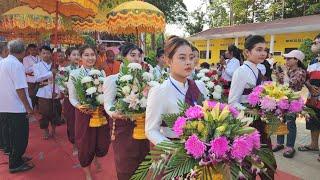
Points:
[[50, 110], [15, 105], [3, 51], [28, 63]]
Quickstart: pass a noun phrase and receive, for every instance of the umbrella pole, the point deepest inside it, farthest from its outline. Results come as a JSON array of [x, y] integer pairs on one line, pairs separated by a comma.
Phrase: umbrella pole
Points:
[[54, 60], [137, 36]]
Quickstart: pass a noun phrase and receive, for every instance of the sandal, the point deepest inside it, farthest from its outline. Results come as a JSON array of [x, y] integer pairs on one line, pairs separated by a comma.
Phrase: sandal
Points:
[[307, 148], [289, 152]]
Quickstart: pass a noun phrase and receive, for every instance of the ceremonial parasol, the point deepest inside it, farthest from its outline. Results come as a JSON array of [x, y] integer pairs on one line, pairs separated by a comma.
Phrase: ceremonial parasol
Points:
[[135, 17], [68, 37], [81, 8], [25, 19]]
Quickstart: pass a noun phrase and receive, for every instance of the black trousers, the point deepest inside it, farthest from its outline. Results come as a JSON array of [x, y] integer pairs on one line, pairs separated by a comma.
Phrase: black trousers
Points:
[[4, 133], [18, 126]]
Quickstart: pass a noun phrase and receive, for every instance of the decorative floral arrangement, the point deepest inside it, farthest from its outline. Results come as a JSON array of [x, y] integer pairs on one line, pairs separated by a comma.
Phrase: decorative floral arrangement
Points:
[[213, 144], [62, 78], [133, 85], [272, 101], [208, 77], [89, 88]]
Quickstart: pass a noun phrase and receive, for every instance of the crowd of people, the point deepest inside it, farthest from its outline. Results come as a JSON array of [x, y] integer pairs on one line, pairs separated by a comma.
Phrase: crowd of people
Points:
[[31, 92]]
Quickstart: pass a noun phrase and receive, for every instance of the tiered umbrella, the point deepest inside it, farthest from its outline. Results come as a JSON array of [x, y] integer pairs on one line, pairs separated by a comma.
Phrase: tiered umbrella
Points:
[[25, 19], [81, 8], [96, 24], [26, 37], [69, 38], [135, 17]]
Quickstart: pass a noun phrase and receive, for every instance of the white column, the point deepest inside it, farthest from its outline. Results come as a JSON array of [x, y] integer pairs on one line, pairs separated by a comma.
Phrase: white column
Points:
[[208, 49], [236, 41], [272, 43]]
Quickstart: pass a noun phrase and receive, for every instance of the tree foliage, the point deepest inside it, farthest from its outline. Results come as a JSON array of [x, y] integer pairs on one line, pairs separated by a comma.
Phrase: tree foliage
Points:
[[249, 11], [305, 47]]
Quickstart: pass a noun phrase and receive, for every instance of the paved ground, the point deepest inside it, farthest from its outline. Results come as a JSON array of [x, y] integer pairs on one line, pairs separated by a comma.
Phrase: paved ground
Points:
[[304, 164]]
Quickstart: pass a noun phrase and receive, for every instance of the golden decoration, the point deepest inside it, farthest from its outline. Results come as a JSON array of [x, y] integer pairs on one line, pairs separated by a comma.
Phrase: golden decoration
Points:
[[281, 129], [135, 17], [139, 130], [81, 8], [98, 118]]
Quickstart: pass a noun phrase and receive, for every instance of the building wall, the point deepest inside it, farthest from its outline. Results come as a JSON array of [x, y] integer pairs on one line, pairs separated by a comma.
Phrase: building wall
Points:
[[283, 43]]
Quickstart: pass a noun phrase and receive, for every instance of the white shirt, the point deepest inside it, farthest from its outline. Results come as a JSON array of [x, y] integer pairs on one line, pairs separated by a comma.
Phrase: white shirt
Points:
[[163, 99], [262, 68], [71, 89], [12, 77], [28, 63], [42, 72], [1, 58], [231, 67], [242, 78]]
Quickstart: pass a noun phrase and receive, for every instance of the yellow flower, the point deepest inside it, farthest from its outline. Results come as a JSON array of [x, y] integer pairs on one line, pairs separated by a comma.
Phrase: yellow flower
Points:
[[224, 114], [200, 126], [215, 111], [221, 129]]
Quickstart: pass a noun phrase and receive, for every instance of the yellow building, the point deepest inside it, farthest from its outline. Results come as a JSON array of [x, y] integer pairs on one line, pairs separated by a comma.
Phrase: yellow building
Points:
[[282, 36]]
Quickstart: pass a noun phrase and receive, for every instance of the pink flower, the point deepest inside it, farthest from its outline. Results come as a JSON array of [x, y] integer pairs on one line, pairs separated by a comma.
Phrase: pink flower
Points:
[[212, 104], [254, 139], [235, 113], [258, 89], [195, 146], [296, 106], [253, 99], [240, 148], [194, 112], [178, 126], [268, 104], [283, 104], [219, 146]]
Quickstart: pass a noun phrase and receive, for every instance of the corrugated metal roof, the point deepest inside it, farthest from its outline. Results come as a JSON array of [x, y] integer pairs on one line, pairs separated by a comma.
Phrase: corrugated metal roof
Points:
[[299, 24]]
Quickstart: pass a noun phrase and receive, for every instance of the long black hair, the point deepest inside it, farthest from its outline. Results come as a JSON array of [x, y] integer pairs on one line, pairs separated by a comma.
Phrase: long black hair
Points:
[[301, 65]]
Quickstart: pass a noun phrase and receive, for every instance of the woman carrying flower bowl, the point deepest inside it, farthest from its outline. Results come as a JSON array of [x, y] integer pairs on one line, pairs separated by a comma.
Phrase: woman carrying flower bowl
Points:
[[129, 152], [296, 78], [92, 142], [164, 99], [247, 77]]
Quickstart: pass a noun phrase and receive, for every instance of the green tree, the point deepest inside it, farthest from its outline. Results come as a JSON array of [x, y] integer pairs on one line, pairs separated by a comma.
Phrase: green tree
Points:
[[305, 47], [175, 11], [218, 14], [195, 22]]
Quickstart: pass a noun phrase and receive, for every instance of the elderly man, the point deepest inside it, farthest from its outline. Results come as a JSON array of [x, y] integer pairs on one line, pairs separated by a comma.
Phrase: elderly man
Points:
[[3, 51], [15, 106]]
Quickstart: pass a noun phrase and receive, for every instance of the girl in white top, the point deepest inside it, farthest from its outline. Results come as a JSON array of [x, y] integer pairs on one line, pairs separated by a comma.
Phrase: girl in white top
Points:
[[129, 152], [247, 77], [163, 99], [73, 57], [92, 142]]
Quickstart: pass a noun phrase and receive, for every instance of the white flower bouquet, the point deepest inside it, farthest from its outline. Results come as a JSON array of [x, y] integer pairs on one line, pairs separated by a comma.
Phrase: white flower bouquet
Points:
[[133, 85], [215, 91], [89, 91], [62, 78]]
